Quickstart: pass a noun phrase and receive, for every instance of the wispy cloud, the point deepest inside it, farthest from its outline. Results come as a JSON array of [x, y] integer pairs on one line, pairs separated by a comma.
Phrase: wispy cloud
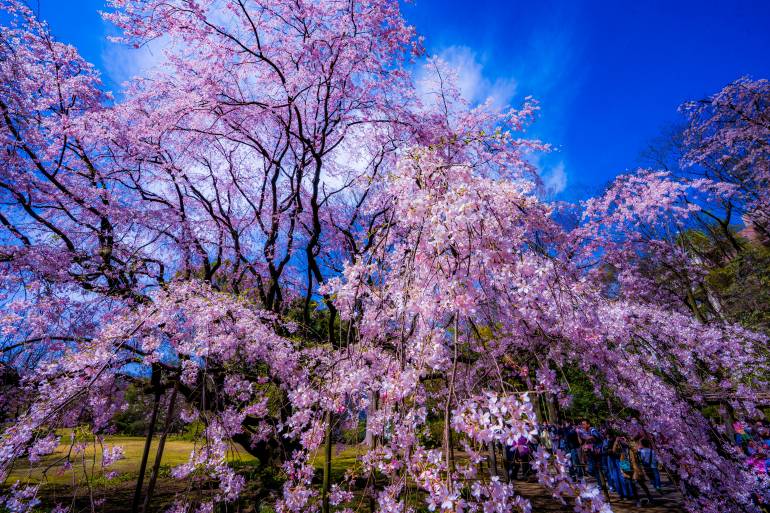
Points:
[[122, 62], [474, 81], [555, 179]]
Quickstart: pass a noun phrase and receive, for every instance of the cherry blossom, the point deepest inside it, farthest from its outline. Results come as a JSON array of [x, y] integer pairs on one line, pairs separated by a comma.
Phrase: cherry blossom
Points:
[[278, 214]]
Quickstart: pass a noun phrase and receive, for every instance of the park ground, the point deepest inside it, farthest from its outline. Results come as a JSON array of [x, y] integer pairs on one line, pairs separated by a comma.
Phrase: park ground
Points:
[[115, 494]]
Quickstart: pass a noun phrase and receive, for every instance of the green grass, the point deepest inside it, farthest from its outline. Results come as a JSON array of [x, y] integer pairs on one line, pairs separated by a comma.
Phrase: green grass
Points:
[[343, 458], [87, 465]]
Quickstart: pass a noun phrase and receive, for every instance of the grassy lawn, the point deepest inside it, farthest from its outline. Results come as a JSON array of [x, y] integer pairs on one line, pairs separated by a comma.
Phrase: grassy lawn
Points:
[[88, 463], [343, 458], [49, 470]]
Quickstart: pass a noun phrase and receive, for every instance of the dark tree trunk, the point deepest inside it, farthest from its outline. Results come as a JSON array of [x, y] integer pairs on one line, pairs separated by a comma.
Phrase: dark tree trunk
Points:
[[159, 453], [155, 382], [327, 464], [492, 459]]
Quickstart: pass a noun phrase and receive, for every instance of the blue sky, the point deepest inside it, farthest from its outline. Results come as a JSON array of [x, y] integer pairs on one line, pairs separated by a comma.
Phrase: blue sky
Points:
[[609, 74]]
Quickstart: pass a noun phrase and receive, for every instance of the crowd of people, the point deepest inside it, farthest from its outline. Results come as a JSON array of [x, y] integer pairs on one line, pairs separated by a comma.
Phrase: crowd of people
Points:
[[621, 465], [754, 441], [624, 466]]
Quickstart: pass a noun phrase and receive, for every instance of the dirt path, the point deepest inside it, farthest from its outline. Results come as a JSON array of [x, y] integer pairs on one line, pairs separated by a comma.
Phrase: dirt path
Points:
[[542, 502], [118, 500]]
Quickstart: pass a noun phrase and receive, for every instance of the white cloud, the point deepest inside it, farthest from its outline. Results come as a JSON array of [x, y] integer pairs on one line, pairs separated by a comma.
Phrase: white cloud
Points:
[[555, 179], [474, 84], [122, 62]]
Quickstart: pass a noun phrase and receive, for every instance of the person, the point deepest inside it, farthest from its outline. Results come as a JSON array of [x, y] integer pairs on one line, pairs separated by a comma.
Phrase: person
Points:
[[520, 458], [741, 437], [620, 485], [607, 467], [546, 437], [760, 432], [620, 457], [650, 463], [573, 448], [631, 469], [590, 448], [764, 435], [561, 436], [585, 436], [759, 462]]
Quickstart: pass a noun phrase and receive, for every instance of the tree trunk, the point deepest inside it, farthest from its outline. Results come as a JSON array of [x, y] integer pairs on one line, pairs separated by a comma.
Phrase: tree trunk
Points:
[[553, 408], [448, 442], [327, 465], [728, 419], [371, 441], [159, 453], [370, 412], [492, 459], [155, 381]]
